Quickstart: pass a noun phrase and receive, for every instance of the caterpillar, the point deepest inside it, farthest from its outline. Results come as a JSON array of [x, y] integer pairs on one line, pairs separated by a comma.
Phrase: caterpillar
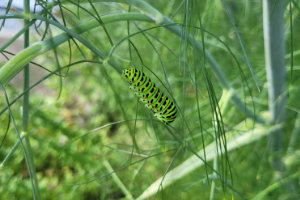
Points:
[[163, 107]]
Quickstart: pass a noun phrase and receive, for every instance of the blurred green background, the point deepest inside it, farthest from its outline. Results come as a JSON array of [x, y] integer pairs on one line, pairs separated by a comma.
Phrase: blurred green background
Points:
[[90, 137]]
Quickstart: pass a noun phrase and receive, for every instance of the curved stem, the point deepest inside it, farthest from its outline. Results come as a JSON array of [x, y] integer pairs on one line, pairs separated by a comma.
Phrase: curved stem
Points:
[[16, 64]]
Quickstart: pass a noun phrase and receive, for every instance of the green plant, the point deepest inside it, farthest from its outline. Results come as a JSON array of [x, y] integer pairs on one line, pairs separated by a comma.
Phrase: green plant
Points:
[[86, 138]]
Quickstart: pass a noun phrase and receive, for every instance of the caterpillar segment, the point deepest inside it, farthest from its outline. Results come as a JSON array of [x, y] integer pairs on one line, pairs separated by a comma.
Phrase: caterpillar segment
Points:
[[163, 107]]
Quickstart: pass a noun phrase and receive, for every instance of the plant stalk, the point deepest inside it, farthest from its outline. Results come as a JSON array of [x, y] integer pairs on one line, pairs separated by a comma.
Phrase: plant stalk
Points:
[[25, 117], [273, 22], [26, 71]]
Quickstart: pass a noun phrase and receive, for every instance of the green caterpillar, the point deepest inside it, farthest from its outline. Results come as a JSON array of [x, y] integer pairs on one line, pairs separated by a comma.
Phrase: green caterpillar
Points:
[[163, 107]]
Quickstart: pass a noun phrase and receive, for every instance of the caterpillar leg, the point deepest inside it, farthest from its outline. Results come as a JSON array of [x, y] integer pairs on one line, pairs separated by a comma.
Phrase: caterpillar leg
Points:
[[147, 105]]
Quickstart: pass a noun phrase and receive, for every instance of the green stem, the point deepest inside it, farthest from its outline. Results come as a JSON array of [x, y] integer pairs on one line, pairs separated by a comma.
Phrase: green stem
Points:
[[28, 161], [25, 118], [273, 22], [117, 180], [215, 167], [11, 152], [26, 70], [16, 64]]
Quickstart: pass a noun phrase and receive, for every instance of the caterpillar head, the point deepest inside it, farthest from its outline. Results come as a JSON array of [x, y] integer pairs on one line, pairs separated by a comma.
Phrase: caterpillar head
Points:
[[127, 74]]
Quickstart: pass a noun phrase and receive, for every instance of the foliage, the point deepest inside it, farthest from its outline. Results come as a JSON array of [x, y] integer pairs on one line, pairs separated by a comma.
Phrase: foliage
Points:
[[91, 138]]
